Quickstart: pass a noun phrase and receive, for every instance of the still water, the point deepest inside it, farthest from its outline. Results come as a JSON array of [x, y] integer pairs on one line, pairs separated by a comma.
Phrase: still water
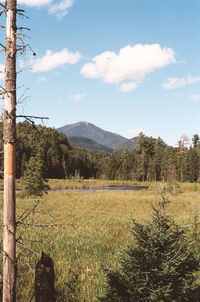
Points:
[[103, 188]]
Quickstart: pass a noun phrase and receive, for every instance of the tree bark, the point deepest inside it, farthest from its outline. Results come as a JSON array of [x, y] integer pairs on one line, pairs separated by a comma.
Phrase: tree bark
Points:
[[9, 137]]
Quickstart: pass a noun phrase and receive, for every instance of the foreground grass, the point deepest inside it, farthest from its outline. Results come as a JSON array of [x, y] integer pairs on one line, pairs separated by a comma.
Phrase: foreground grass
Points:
[[83, 232]]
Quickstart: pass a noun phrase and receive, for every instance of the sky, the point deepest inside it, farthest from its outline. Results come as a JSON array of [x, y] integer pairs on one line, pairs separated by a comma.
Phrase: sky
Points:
[[124, 65]]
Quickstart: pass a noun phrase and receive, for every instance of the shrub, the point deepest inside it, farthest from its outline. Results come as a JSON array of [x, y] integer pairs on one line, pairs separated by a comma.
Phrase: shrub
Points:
[[158, 266]]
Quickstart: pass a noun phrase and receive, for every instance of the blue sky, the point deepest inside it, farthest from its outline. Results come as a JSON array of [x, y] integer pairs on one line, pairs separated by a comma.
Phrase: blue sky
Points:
[[126, 66]]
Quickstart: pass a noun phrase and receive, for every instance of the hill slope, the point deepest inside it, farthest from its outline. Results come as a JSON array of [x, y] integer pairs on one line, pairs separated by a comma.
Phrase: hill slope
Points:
[[88, 130], [130, 144], [88, 144]]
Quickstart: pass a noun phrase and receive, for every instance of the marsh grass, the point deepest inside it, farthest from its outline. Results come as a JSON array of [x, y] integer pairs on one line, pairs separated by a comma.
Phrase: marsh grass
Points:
[[88, 183], [90, 231]]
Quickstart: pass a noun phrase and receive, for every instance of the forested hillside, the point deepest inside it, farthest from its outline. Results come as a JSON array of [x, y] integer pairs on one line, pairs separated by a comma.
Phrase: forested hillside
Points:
[[53, 148], [150, 160]]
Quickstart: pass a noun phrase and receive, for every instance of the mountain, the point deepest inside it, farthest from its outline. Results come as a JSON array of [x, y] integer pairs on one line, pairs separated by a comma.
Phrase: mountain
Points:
[[130, 144], [88, 144], [102, 137], [93, 138]]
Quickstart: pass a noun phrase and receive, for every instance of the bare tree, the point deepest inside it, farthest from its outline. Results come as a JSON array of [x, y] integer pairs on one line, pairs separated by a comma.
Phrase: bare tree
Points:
[[8, 93], [9, 138]]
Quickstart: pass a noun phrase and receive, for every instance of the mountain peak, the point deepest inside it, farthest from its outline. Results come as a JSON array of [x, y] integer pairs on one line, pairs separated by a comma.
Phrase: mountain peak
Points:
[[87, 130], [82, 123]]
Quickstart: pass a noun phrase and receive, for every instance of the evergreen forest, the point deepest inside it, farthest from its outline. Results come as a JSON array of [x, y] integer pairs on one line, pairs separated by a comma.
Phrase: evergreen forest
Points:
[[150, 160]]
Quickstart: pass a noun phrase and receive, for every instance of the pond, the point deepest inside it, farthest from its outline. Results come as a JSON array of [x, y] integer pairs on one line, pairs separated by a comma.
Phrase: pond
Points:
[[102, 189]]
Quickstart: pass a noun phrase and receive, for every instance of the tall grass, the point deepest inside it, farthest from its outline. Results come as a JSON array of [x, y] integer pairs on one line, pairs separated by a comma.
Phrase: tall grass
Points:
[[83, 232]]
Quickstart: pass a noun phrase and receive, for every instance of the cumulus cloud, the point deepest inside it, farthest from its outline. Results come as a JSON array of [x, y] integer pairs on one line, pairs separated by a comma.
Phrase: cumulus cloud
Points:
[[61, 9], [128, 86], [2, 72], [52, 60], [34, 2], [128, 67], [76, 97], [173, 83]]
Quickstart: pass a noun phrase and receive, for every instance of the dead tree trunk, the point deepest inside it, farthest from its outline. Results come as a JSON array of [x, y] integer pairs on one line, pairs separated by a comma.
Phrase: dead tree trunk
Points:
[[9, 137]]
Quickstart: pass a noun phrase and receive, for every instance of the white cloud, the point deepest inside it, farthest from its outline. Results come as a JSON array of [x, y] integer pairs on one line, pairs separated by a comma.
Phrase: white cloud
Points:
[[128, 86], [173, 83], [76, 97], [34, 2], [2, 72], [52, 60], [129, 66], [195, 98], [61, 9]]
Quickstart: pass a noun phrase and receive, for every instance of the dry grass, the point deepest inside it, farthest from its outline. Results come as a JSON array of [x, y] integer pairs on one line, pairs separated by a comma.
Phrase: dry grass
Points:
[[93, 228]]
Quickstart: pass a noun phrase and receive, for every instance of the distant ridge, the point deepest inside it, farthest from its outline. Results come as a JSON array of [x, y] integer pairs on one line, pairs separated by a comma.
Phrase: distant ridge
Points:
[[101, 138], [88, 144]]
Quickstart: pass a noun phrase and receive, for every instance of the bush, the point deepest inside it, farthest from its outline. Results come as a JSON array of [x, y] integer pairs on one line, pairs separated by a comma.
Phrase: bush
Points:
[[158, 266]]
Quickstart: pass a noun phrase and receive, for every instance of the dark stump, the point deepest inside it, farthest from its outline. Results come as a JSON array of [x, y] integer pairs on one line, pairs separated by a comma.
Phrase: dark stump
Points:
[[44, 280]]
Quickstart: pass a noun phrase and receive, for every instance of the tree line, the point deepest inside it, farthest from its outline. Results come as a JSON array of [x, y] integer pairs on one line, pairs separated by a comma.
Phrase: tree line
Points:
[[150, 160], [153, 160], [59, 159]]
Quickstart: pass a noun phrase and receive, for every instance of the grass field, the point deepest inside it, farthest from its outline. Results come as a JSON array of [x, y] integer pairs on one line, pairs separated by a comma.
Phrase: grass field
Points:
[[83, 232]]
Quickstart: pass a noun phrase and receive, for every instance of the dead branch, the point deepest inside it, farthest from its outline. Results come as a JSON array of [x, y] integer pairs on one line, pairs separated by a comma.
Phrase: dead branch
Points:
[[2, 88], [21, 36], [26, 214], [21, 13], [2, 5], [22, 70], [2, 92], [4, 48], [23, 28], [23, 97], [26, 248], [3, 11], [22, 48], [33, 117]]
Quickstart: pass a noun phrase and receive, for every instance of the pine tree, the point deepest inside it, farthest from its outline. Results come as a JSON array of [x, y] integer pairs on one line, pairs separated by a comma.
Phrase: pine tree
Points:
[[158, 266], [33, 181], [190, 165]]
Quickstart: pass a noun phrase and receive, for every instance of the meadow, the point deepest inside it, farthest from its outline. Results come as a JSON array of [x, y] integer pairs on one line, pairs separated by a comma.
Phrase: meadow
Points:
[[86, 231]]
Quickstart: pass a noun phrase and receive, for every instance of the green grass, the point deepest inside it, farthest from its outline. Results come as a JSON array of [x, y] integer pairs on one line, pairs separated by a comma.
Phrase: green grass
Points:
[[90, 231]]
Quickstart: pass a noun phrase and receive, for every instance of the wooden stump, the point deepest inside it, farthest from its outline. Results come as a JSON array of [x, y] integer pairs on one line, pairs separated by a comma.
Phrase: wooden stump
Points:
[[44, 280]]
